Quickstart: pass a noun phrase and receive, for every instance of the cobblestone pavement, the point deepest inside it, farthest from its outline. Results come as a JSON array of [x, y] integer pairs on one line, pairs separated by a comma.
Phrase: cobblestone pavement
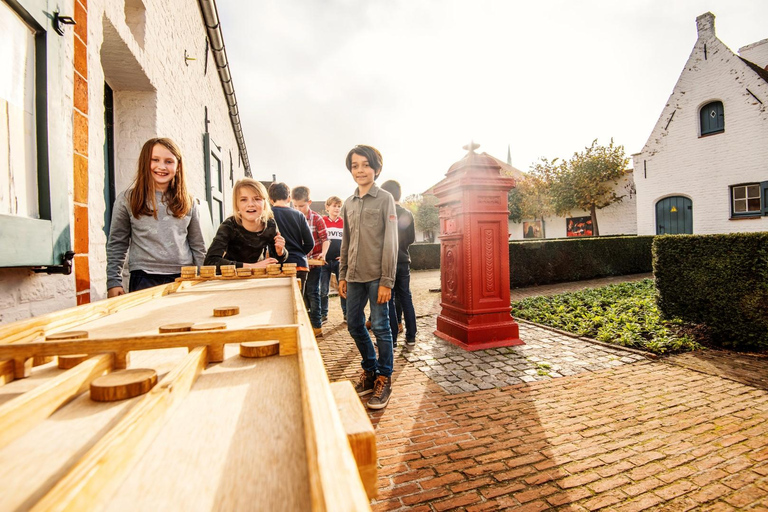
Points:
[[560, 423]]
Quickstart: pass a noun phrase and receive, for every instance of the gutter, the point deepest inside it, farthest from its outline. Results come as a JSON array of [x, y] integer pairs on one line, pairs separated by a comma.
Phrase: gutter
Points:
[[213, 28]]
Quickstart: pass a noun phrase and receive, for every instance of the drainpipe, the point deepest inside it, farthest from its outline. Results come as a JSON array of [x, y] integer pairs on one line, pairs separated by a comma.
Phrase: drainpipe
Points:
[[211, 20]]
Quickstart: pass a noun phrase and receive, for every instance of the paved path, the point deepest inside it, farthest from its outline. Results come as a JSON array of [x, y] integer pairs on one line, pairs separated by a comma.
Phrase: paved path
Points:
[[560, 423]]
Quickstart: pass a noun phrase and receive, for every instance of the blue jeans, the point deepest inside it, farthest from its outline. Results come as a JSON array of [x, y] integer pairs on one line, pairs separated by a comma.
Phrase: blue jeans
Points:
[[312, 297], [332, 267], [358, 295], [141, 280], [402, 300]]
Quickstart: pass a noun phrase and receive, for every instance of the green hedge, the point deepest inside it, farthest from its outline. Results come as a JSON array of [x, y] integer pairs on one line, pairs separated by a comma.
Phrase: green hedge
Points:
[[575, 259], [720, 281], [424, 256]]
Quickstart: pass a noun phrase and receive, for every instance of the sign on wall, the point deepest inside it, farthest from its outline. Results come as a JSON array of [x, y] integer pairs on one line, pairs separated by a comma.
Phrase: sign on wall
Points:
[[578, 226], [533, 229]]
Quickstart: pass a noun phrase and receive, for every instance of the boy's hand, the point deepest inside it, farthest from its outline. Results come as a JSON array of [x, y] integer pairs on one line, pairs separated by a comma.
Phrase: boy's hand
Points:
[[115, 291], [261, 264], [343, 289], [384, 294]]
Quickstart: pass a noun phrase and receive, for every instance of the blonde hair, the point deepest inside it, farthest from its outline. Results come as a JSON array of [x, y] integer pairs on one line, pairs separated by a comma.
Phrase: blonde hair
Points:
[[261, 192], [333, 200], [176, 197]]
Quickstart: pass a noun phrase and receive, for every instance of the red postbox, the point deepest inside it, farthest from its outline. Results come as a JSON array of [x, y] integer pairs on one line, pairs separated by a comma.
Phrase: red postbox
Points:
[[474, 250]]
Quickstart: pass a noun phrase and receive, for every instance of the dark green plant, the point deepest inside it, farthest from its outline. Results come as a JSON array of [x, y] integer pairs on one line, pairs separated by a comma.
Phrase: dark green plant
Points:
[[575, 259], [624, 314], [720, 281]]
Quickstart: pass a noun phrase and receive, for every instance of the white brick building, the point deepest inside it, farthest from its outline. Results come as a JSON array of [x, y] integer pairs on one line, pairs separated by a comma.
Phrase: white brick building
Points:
[[85, 102], [704, 168]]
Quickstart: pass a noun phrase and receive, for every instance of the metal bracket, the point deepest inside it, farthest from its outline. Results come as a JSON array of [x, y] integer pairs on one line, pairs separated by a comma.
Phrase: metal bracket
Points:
[[65, 267], [58, 21]]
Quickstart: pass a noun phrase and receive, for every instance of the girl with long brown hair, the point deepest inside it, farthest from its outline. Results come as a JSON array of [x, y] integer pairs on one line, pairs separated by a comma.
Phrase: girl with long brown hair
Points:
[[157, 219]]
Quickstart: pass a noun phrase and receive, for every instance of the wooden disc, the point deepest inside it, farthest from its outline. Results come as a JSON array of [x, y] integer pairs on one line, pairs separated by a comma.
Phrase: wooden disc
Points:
[[67, 362], [41, 360], [180, 327], [67, 335], [226, 311], [210, 326], [123, 384], [259, 348]]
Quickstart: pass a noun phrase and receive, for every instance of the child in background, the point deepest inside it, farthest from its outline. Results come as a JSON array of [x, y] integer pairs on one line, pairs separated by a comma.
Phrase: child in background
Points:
[[334, 228], [249, 238], [293, 227], [406, 235], [367, 271], [301, 202], [157, 219]]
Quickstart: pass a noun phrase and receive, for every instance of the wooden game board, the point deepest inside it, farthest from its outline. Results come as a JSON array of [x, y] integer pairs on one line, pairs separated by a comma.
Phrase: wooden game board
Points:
[[217, 431]]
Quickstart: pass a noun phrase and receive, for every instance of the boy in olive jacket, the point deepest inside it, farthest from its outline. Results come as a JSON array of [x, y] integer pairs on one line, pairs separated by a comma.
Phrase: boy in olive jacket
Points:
[[368, 262]]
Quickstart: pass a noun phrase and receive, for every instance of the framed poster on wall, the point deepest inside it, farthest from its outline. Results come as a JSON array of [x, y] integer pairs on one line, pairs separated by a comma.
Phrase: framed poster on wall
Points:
[[533, 229], [578, 226]]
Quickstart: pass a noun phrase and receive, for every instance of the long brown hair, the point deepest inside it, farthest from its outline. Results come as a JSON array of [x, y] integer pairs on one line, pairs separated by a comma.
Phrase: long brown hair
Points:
[[176, 198], [257, 187]]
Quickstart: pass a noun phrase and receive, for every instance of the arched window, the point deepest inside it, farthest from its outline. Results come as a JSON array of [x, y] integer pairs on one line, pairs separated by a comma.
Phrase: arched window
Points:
[[712, 118]]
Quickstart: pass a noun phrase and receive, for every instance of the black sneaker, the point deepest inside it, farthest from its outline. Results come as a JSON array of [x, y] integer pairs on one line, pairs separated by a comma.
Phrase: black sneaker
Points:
[[381, 391], [365, 383], [324, 319]]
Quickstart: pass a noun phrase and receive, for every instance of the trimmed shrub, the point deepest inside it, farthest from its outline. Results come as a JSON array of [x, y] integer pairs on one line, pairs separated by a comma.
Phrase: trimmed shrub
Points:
[[575, 259], [720, 281], [424, 256]]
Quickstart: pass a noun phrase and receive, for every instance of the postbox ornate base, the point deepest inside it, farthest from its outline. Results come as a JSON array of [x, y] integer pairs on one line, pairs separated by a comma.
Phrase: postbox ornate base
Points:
[[480, 334]]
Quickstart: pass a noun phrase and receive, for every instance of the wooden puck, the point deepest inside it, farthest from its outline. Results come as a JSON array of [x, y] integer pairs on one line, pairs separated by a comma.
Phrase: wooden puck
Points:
[[259, 348], [41, 360], [210, 326], [189, 271], [67, 335], [123, 384], [67, 362], [226, 311], [180, 327], [244, 272], [289, 265]]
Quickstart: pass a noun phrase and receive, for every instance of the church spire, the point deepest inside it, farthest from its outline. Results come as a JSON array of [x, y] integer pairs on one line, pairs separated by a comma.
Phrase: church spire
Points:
[[509, 154]]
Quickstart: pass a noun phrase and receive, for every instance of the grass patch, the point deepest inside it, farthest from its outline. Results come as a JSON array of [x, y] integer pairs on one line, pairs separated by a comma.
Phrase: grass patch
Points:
[[623, 314]]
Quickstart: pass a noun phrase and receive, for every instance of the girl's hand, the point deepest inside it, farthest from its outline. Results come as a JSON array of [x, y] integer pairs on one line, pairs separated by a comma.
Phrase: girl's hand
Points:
[[115, 291], [261, 264], [343, 288], [279, 244]]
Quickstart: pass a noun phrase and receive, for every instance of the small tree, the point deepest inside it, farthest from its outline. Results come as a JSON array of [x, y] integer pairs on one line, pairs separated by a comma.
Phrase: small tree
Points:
[[587, 181], [427, 217], [530, 198]]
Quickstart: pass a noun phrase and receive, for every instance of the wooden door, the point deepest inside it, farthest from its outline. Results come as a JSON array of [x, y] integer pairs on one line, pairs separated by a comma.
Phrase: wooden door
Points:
[[674, 216]]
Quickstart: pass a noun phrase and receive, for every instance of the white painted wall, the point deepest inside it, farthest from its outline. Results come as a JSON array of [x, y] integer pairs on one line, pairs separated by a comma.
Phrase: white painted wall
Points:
[[156, 94], [677, 161], [616, 219]]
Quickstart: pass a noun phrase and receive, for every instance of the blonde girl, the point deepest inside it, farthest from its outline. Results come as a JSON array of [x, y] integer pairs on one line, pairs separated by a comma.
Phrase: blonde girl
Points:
[[157, 219], [249, 238]]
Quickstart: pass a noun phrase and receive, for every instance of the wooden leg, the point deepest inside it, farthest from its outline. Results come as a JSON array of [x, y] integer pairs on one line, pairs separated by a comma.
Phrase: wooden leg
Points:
[[122, 360], [215, 353], [22, 367]]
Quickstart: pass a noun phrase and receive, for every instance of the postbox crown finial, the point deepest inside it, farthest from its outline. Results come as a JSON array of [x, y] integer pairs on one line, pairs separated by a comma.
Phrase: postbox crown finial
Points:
[[471, 147]]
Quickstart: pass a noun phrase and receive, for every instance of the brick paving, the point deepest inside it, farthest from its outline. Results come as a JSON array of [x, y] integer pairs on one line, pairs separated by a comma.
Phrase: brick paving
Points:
[[561, 423]]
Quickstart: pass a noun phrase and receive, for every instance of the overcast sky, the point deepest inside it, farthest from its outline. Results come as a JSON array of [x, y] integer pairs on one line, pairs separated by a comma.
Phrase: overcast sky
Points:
[[419, 79]]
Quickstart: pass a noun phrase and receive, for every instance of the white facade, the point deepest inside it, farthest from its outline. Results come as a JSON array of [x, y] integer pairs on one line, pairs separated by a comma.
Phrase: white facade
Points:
[[678, 161], [143, 49]]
